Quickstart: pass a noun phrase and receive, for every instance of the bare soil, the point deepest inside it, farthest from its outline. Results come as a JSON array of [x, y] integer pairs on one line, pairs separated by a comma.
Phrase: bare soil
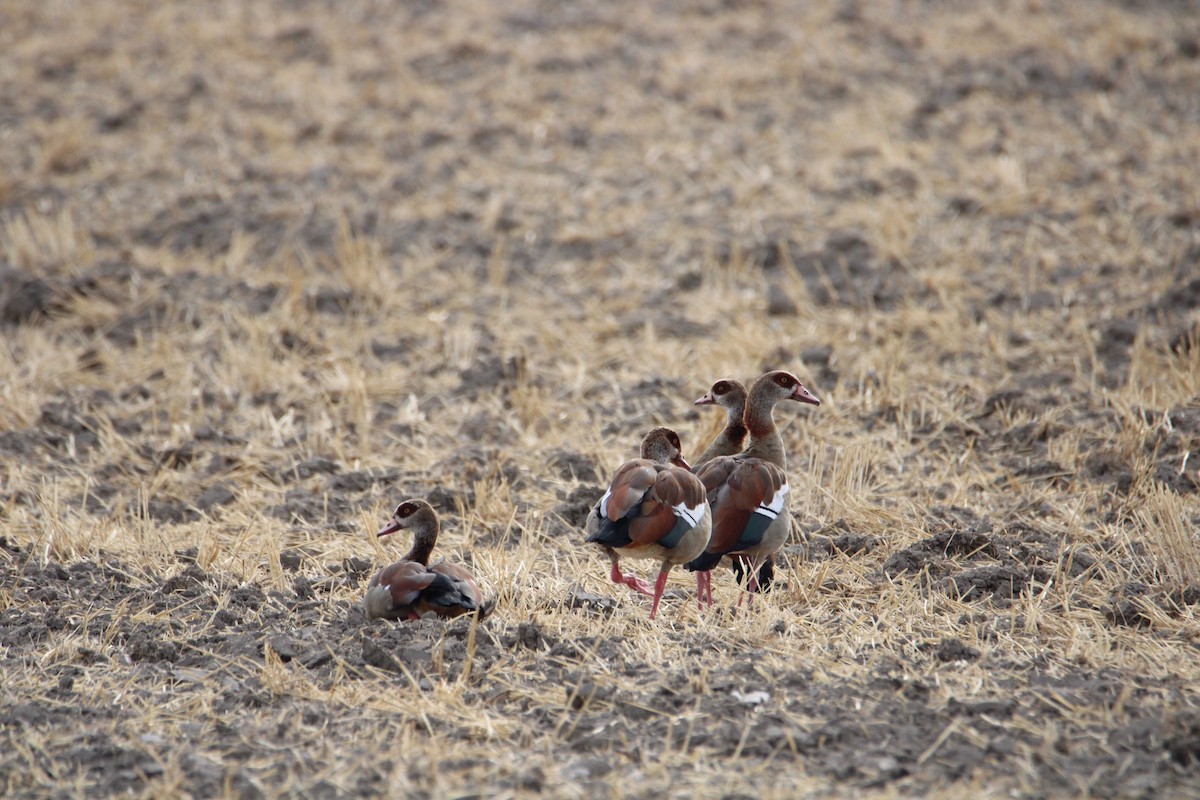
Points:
[[268, 269]]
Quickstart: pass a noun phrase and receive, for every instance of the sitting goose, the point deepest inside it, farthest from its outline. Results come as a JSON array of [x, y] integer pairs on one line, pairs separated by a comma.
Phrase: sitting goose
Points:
[[412, 587]]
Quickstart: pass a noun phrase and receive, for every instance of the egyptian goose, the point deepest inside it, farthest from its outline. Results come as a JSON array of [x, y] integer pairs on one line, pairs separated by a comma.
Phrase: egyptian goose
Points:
[[730, 395], [748, 492], [412, 587], [655, 507]]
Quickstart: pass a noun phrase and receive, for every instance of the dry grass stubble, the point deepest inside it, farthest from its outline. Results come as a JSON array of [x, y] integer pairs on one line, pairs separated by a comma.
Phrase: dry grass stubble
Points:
[[475, 255]]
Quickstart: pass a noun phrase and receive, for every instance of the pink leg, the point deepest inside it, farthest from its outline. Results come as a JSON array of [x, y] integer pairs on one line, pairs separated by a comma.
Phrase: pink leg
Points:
[[751, 565], [659, 586], [632, 581], [700, 590], [704, 587], [754, 565]]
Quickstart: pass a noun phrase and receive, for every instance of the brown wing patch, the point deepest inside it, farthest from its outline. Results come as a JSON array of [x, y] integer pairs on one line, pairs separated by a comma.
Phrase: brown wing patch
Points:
[[656, 515], [629, 485], [654, 521], [405, 580], [715, 473], [747, 484], [753, 482], [728, 522], [676, 485]]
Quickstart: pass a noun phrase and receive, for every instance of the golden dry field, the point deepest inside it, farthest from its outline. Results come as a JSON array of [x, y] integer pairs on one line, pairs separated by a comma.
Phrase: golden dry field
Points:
[[267, 269]]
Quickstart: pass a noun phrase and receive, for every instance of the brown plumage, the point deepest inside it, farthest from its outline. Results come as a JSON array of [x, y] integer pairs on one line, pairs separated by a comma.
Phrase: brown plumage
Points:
[[655, 507], [748, 492], [730, 394], [412, 587], [737, 487]]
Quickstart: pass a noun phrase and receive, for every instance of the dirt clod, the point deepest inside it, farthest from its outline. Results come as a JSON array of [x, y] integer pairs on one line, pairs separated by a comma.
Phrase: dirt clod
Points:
[[955, 650]]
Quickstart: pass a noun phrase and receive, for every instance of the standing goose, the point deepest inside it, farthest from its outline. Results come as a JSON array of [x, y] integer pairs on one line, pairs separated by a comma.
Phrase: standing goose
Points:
[[655, 507], [412, 587], [748, 492], [730, 395]]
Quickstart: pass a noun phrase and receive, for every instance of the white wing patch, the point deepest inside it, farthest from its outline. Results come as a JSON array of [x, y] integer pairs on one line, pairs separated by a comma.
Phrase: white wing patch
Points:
[[603, 505], [691, 514], [773, 508]]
